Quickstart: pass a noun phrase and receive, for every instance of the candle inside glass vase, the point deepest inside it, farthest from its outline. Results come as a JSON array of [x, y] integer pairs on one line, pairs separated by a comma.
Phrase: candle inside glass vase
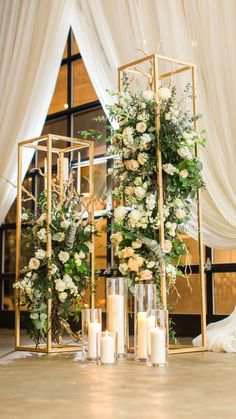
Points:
[[157, 349], [108, 348]]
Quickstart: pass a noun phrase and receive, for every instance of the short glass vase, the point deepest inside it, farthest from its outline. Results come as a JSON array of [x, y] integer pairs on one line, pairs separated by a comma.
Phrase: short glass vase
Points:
[[158, 339], [91, 332]]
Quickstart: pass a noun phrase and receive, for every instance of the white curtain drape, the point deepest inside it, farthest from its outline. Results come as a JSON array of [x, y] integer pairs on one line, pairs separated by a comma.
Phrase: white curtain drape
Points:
[[32, 38], [198, 31], [33, 34]]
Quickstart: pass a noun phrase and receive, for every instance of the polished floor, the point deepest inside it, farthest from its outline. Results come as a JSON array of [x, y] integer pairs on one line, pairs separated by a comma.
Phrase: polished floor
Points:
[[200, 385]]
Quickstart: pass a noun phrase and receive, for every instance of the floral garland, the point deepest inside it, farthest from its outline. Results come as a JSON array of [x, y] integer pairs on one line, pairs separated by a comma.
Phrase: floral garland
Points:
[[136, 222], [67, 272]]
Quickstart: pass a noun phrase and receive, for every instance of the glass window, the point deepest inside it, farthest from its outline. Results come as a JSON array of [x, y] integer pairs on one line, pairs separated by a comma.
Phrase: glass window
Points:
[[189, 299], [224, 255], [99, 185], [85, 120], [9, 251], [224, 292], [11, 216], [8, 295], [65, 53], [59, 101], [75, 48], [101, 245], [192, 245], [83, 90]]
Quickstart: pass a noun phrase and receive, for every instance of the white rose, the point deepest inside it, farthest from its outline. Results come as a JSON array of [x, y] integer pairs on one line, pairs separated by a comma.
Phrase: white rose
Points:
[[82, 255], [128, 252], [180, 213], [140, 192], [164, 93], [60, 285], [24, 216], [135, 216], [169, 169], [146, 275], [65, 224], [183, 173], [116, 237], [34, 263], [171, 270], [185, 153], [78, 261], [54, 269], [120, 213], [42, 234], [128, 132], [148, 95], [146, 138], [123, 267], [132, 165], [151, 201], [136, 245], [40, 254], [141, 127], [63, 256], [167, 246], [58, 237], [128, 190], [138, 181], [133, 265], [62, 296], [88, 229], [151, 264], [90, 246], [142, 158], [67, 280]]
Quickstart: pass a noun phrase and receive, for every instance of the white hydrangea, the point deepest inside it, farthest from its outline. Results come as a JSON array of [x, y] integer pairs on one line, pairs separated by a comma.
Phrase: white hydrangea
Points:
[[120, 213], [151, 201], [164, 93], [40, 254], [63, 256]]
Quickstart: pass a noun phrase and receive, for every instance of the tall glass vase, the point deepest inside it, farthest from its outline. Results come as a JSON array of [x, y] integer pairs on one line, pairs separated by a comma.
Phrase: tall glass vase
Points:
[[145, 301], [116, 291]]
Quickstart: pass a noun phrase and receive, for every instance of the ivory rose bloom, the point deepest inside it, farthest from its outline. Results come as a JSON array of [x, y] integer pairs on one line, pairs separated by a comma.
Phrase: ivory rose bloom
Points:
[[151, 264], [34, 263], [123, 267], [167, 246], [140, 192], [141, 127], [132, 165], [138, 181], [120, 213], [116, 237], [148, 95], [128, 132], [135, 216], [136, 245], [42, 234], [128, 252], [146, 275], [40, 254], [142, 158], [135, 263], [183, 173], [180, 213], [185, 153], [128, 190], [169, 169], [60, 285], [63, 256], [62, 296], [164, 93]]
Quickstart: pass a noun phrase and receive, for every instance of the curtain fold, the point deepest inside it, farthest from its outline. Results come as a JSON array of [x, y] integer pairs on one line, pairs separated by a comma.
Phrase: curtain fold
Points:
[[33, 35], [198, 31]]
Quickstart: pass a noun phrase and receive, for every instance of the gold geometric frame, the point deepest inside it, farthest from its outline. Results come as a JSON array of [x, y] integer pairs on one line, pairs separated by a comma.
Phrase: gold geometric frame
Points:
[[34, 143], [156, 76]]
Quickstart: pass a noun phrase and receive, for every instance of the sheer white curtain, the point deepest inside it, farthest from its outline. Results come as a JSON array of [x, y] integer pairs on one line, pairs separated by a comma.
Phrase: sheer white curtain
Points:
[[199, 31], [33, 34]]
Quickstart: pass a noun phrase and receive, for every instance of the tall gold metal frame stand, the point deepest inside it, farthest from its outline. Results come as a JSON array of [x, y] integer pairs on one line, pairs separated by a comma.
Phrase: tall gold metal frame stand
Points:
[[155, 76], [49, 148]]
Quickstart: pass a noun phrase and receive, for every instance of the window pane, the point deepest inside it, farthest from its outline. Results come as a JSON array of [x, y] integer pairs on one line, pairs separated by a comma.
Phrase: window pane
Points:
[[83, 90], [99, 185], [75, 48], [59, 100], [224, 256], [192, 245], [57, 126], [84, 121], [11, 216], [101, 245], [65, 53], [224, 292], [8, 295], [9, 251], [189, 299]]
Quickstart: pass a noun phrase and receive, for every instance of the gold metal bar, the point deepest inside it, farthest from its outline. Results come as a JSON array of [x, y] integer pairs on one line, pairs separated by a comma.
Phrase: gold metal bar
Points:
[[54, 348], [173, 60], [199, 215], [71, 139], [136, 62], [34, 140], [171, 73], [49, 238], [187, 350], [75, 147], [60, 176], [18, 246], [91, 209], [160, 187], [41, 148]]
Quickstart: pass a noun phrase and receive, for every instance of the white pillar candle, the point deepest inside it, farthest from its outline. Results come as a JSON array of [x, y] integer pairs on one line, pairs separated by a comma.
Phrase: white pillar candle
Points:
[[94, 333], [65, 169], [142, 335], [116, 319], [158, 346], [150, 325], [108, 349]]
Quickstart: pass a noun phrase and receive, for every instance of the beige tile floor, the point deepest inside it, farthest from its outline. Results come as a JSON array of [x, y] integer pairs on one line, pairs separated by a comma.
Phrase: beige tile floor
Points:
[[201, 385]]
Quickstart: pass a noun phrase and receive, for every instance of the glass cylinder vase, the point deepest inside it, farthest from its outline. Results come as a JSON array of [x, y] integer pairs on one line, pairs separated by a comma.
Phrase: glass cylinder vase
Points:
[[158, 338], [145, 301], [91, 332], [108, 348], [116, 292]]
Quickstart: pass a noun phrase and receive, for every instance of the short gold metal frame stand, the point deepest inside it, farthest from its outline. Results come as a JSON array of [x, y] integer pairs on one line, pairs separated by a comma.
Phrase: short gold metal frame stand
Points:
[[50, 144], [149, 68]]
